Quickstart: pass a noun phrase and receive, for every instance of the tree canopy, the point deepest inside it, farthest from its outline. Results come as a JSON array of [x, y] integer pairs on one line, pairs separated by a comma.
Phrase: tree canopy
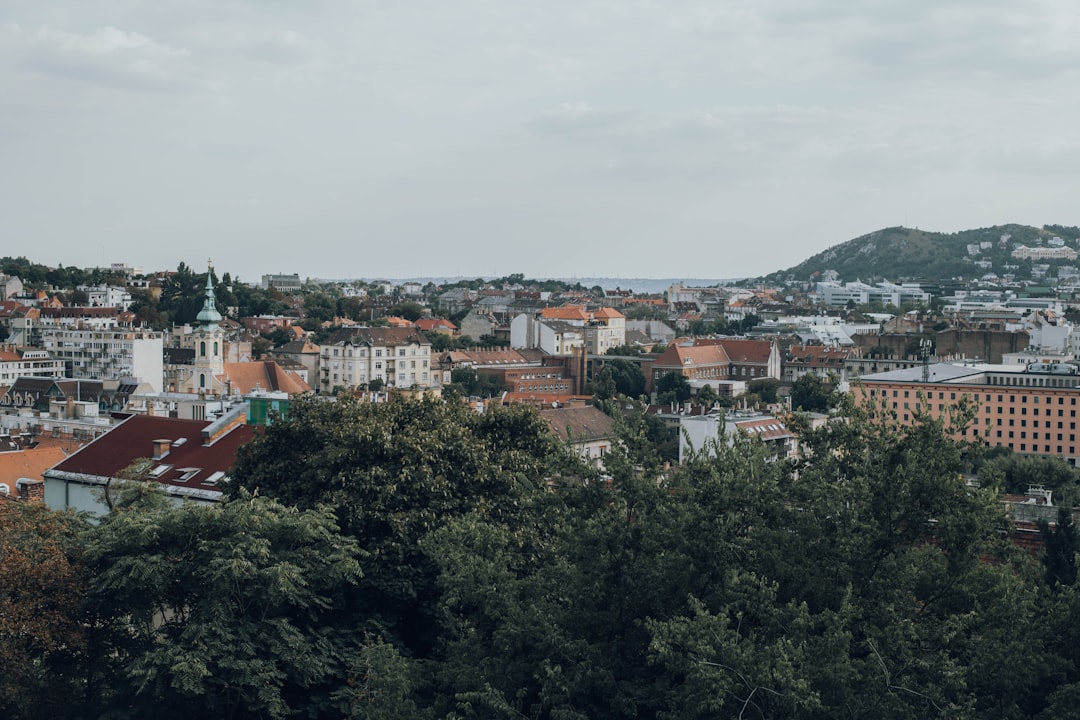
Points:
[[417, 559]]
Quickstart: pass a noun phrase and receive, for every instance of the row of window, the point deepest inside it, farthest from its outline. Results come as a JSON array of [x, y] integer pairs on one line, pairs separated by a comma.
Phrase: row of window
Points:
[[975, 396]]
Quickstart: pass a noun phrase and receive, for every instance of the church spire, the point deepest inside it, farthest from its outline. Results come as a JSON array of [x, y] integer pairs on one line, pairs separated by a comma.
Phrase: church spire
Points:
[[209, 317]]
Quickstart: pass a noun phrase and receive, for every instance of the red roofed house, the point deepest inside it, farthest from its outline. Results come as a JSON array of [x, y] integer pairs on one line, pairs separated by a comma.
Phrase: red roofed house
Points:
[[821, 360], [699, 364], [436, 325], [586, 429], [188, 459], [750, 359], [718, 361]]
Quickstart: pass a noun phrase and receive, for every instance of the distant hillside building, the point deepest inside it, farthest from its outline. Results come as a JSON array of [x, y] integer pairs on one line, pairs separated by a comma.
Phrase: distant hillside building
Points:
[[835, 294], [282, 283], [1044, 253]]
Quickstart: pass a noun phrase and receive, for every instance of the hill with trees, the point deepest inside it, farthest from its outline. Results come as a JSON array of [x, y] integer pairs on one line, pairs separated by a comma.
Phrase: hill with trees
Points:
[[900, 253]]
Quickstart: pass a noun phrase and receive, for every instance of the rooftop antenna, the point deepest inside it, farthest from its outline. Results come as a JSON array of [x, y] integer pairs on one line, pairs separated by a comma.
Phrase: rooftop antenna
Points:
[[924, 350]]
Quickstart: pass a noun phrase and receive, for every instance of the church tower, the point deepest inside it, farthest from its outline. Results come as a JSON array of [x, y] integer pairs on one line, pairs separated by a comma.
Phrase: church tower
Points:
[[209, 343]]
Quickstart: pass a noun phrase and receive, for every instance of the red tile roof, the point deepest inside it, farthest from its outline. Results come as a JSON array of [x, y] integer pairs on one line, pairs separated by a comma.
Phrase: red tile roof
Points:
[[29, 463], [266, 375], [570, 312], [190, 462], [434, 324]]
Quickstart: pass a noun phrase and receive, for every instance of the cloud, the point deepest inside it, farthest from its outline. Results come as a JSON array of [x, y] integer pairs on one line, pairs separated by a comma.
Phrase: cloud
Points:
[[108, 57]]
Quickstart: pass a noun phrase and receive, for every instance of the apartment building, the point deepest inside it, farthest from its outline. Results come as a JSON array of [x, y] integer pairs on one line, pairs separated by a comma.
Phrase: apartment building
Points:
[[1029, 409], [354, 357], [16, 362], [108, 355]]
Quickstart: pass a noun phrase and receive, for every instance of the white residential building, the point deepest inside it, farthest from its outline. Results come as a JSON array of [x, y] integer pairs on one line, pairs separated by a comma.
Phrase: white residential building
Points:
[[107, 296], [27, 362], [354, 357], [1044, 253], [838, 295], [108, 355]]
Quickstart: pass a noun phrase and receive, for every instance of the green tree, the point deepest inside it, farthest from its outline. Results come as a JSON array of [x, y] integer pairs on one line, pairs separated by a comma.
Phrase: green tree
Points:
[[811, 394], [766, 389], [319, 307], [412, 311], [673, 387], [394, 472], [707, 396], [223, 611], [604, 385], [627, 376]]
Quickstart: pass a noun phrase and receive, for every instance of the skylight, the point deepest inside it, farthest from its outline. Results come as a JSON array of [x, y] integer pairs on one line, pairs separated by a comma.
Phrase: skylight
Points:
[[214, 478]]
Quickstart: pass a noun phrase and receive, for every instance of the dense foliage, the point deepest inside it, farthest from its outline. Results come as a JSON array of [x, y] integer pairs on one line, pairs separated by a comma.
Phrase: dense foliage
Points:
[[417, 560], [898, 253]]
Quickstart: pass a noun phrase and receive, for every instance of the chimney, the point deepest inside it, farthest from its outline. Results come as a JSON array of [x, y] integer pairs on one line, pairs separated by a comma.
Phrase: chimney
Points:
[[161, 448], [30, 490]]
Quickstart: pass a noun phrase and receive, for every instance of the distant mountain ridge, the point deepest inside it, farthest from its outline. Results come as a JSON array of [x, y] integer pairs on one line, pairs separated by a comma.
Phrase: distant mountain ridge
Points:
[[900, 253]]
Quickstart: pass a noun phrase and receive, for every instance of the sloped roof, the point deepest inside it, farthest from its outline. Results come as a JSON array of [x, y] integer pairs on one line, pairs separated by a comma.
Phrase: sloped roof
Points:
[[378, 336], [30, 463], [816, 355], [296, 347], [683, 354], [501, 357], [434, 324], [741, 351], [766, 429], [190, 462], [567, 313], [247, 377], [579, 424]]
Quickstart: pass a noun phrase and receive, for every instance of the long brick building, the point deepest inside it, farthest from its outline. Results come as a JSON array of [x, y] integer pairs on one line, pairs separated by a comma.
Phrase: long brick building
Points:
[[1029, 409]]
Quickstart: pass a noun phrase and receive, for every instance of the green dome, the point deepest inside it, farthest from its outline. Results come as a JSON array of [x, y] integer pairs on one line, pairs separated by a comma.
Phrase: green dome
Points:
[[209, 317]]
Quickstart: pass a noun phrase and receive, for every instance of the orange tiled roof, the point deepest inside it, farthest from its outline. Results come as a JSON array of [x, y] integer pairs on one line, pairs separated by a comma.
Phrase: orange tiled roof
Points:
[[686, 355], [569, 312], [30, 464], [434, 324], [262, 375]]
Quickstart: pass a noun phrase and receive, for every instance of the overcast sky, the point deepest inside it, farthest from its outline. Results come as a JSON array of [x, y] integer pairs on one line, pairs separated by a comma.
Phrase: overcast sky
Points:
[[671, 138]]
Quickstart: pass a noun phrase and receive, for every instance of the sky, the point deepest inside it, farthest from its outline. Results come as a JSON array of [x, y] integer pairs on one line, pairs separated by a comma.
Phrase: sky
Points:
[[562, 138]]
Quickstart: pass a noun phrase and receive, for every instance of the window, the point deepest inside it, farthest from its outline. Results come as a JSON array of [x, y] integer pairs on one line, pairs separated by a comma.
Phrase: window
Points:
[[202, 349]]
